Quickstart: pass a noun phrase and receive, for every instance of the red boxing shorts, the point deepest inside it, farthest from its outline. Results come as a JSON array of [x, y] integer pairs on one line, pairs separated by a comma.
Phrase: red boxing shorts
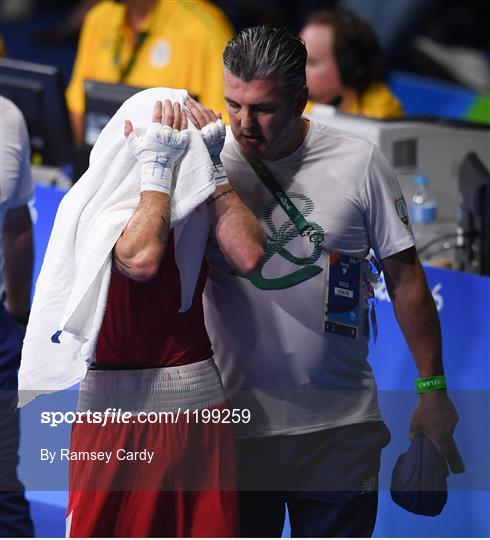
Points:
[[153, 456]]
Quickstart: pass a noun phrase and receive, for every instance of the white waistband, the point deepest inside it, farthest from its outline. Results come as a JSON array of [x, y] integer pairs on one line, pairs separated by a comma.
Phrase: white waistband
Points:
[[193, 386]]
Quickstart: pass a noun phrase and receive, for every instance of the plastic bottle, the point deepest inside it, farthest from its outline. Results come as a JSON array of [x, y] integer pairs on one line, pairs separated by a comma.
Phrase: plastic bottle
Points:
[[423, 209]]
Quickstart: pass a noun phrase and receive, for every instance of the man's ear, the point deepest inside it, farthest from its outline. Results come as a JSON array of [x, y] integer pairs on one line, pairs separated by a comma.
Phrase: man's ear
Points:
[[301, 101]]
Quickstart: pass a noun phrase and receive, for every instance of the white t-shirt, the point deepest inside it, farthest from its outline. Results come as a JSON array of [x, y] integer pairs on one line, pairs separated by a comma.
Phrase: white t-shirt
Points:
[[15, 171], [267, 331]]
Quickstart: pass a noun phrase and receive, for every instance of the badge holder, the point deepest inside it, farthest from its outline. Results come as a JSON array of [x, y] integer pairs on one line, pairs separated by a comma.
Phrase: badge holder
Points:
[[342, 314]]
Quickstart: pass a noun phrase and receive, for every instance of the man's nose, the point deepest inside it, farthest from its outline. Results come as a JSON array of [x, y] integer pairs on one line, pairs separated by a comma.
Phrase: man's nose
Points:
[[247, 120]]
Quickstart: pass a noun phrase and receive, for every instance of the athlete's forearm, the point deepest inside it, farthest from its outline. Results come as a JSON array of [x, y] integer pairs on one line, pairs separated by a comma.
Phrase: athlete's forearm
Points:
[[140, 248], [239, 234]]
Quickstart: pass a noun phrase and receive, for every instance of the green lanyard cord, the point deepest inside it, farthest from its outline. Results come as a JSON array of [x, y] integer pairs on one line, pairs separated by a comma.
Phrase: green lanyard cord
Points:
[[124, 72], [304, 228]]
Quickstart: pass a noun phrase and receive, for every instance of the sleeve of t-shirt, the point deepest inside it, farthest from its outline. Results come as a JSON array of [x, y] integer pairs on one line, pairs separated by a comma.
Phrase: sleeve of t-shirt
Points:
[[16, 187], [385, 209], [75, 96]]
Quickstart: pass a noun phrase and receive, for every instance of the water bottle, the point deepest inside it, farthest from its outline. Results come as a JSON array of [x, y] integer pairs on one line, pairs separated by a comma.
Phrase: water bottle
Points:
[[423, 209]]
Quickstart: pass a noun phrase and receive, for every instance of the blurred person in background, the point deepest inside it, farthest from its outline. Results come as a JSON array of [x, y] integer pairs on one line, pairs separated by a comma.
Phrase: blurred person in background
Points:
[[151, 43], [16, 263], [344, 66]]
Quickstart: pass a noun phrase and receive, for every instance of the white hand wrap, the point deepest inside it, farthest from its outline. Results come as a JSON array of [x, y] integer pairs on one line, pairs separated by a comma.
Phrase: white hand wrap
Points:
[[214, 135], [157, 151]]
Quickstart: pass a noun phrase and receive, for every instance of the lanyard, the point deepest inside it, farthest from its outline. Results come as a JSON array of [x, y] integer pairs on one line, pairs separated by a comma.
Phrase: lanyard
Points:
[[304, 228], [125, 71]]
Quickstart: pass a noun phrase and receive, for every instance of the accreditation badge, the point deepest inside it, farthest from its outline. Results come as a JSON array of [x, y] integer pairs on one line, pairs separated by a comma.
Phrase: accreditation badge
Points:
[[341, 314], [160, 54]]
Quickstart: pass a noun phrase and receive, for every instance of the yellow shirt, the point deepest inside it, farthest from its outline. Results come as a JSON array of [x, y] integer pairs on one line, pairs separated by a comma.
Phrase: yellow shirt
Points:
[[183, 49], [376, 102]]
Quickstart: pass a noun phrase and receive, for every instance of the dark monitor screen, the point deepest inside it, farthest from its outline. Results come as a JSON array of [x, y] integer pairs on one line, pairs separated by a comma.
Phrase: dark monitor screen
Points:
[[102, 100], [38, 91], [474, 215]]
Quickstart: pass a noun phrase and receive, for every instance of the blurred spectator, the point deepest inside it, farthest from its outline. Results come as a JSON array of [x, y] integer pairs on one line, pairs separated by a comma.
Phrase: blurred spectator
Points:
[[16, 263], [152, 43], [3, 50], [344, 65]]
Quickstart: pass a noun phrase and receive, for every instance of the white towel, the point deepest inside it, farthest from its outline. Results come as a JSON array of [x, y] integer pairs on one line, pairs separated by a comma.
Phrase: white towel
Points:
[[71, 291]]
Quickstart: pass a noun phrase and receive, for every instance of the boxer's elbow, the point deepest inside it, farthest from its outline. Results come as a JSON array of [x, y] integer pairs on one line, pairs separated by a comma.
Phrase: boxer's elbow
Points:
[[251, 259], [142, 266], [246, 261]]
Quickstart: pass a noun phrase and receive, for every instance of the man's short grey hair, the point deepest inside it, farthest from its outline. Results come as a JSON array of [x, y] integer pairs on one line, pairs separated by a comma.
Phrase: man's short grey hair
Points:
[[265, 52]]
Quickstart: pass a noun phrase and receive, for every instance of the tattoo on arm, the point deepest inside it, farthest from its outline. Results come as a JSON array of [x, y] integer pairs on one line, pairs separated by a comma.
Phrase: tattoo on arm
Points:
[[121, 267], [164, 228], [222, 194]]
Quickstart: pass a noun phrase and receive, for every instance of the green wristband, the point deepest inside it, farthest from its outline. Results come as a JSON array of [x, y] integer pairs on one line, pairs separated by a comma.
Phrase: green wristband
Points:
[[426, 384]]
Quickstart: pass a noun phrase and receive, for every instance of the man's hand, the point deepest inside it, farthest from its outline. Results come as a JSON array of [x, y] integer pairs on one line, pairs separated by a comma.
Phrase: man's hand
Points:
[[239, 234], [141, 246], [160, 147], [213, 133], [436, 417]]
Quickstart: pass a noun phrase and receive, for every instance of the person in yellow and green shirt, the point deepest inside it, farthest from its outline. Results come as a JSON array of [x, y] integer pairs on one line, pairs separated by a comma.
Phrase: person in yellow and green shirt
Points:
[[344, 65], [174, 43]]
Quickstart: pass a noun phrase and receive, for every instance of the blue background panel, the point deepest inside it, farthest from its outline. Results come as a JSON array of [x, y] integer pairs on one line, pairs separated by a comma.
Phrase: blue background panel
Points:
[[423, 96]]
